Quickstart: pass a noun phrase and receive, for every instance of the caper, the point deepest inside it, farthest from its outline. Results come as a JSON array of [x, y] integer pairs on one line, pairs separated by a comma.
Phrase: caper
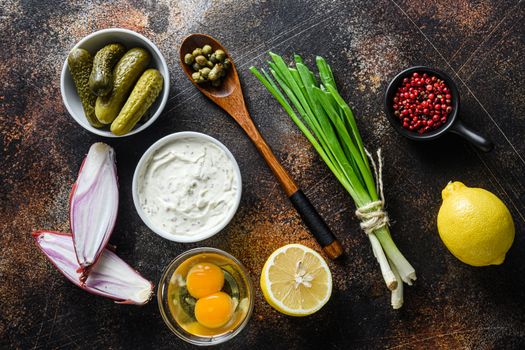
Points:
[[215, 73], [206, 49], [213, 58], [201, 60], [223, 73], [210, 64], [227, 63], [216, 83], [196, 67], [197, 52], [188, 58], [198, 78], [205, 71], [220, 55]]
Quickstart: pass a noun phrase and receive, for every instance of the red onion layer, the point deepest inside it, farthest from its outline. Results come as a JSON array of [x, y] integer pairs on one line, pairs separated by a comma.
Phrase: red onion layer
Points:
[[94, 205], [111, 277]]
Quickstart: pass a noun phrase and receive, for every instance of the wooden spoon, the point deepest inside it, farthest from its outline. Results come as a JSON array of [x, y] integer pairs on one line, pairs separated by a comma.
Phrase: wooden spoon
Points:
[[230, 98]]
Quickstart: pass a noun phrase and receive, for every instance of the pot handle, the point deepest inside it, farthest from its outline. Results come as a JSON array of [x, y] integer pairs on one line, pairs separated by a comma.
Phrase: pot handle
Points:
[[481, 142]]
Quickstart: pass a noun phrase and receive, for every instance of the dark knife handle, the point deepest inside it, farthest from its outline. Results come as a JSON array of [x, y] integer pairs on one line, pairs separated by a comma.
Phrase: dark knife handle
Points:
[[316, 225]]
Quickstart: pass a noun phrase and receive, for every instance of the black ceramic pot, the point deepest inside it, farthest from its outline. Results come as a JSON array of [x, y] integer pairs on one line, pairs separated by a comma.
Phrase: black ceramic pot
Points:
[[453, 123]]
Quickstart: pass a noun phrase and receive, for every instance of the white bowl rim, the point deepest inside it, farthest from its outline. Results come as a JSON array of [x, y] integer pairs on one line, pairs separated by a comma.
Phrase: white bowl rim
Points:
[[183, 238], [165, 92]]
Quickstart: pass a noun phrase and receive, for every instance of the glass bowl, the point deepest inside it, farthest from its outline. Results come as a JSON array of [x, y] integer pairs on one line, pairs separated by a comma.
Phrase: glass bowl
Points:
[[170, 296]]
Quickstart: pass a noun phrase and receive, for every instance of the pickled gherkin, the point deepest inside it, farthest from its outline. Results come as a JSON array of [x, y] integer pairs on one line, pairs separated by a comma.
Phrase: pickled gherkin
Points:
[[144, 93], [125, 74], [101, 78], [80, 63]]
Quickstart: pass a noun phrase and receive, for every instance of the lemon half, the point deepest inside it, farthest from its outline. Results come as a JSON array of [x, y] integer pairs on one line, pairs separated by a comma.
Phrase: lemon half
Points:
[[296, 280], [475, 225]]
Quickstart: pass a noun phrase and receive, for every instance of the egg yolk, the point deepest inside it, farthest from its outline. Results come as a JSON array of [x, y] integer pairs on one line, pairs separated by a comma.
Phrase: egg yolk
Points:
[[204, 279], [215, 310]]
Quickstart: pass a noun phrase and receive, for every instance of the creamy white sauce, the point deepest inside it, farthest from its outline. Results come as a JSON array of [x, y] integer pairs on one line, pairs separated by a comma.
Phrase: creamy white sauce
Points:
[[188, 186]]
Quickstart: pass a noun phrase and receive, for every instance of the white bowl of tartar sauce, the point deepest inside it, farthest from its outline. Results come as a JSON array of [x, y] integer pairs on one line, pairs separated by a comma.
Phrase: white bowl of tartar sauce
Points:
[[187, 187]]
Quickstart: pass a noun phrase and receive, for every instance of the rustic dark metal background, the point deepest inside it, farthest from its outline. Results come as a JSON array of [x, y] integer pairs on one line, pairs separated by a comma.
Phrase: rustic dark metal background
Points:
[[480, 43]]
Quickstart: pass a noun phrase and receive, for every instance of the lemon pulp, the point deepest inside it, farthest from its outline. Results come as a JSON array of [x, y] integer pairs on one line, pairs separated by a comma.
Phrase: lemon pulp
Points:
[[296, 280]]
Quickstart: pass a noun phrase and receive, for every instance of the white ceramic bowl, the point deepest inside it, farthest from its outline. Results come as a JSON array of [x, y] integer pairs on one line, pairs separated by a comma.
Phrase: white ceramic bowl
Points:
[[95, 41], [140, 169]]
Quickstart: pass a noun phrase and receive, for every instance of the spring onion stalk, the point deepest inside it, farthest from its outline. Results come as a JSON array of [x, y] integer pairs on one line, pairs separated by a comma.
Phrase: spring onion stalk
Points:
[[327, 121], [397, 294]]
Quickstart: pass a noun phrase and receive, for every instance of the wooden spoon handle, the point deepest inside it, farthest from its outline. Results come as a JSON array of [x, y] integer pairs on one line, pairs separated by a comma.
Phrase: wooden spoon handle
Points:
[[304, 207]]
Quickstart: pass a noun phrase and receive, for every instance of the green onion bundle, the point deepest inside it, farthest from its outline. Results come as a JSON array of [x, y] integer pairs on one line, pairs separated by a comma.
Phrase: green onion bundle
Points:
[[329, 124]]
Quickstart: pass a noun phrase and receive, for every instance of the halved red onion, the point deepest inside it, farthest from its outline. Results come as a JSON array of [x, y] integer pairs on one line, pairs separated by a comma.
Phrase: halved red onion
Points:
[[93, 205], [111, 277]]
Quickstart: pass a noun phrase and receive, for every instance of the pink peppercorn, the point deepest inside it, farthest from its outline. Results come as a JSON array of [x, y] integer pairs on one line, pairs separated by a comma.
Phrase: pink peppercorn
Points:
[[422, 103]]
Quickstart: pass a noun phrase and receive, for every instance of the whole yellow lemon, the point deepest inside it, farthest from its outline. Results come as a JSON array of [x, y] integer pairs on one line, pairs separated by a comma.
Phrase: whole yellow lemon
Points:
[[475, 225]]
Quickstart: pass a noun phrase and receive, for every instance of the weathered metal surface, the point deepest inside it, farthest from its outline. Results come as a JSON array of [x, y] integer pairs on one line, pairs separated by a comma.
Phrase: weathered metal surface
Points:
[[451, 306]]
